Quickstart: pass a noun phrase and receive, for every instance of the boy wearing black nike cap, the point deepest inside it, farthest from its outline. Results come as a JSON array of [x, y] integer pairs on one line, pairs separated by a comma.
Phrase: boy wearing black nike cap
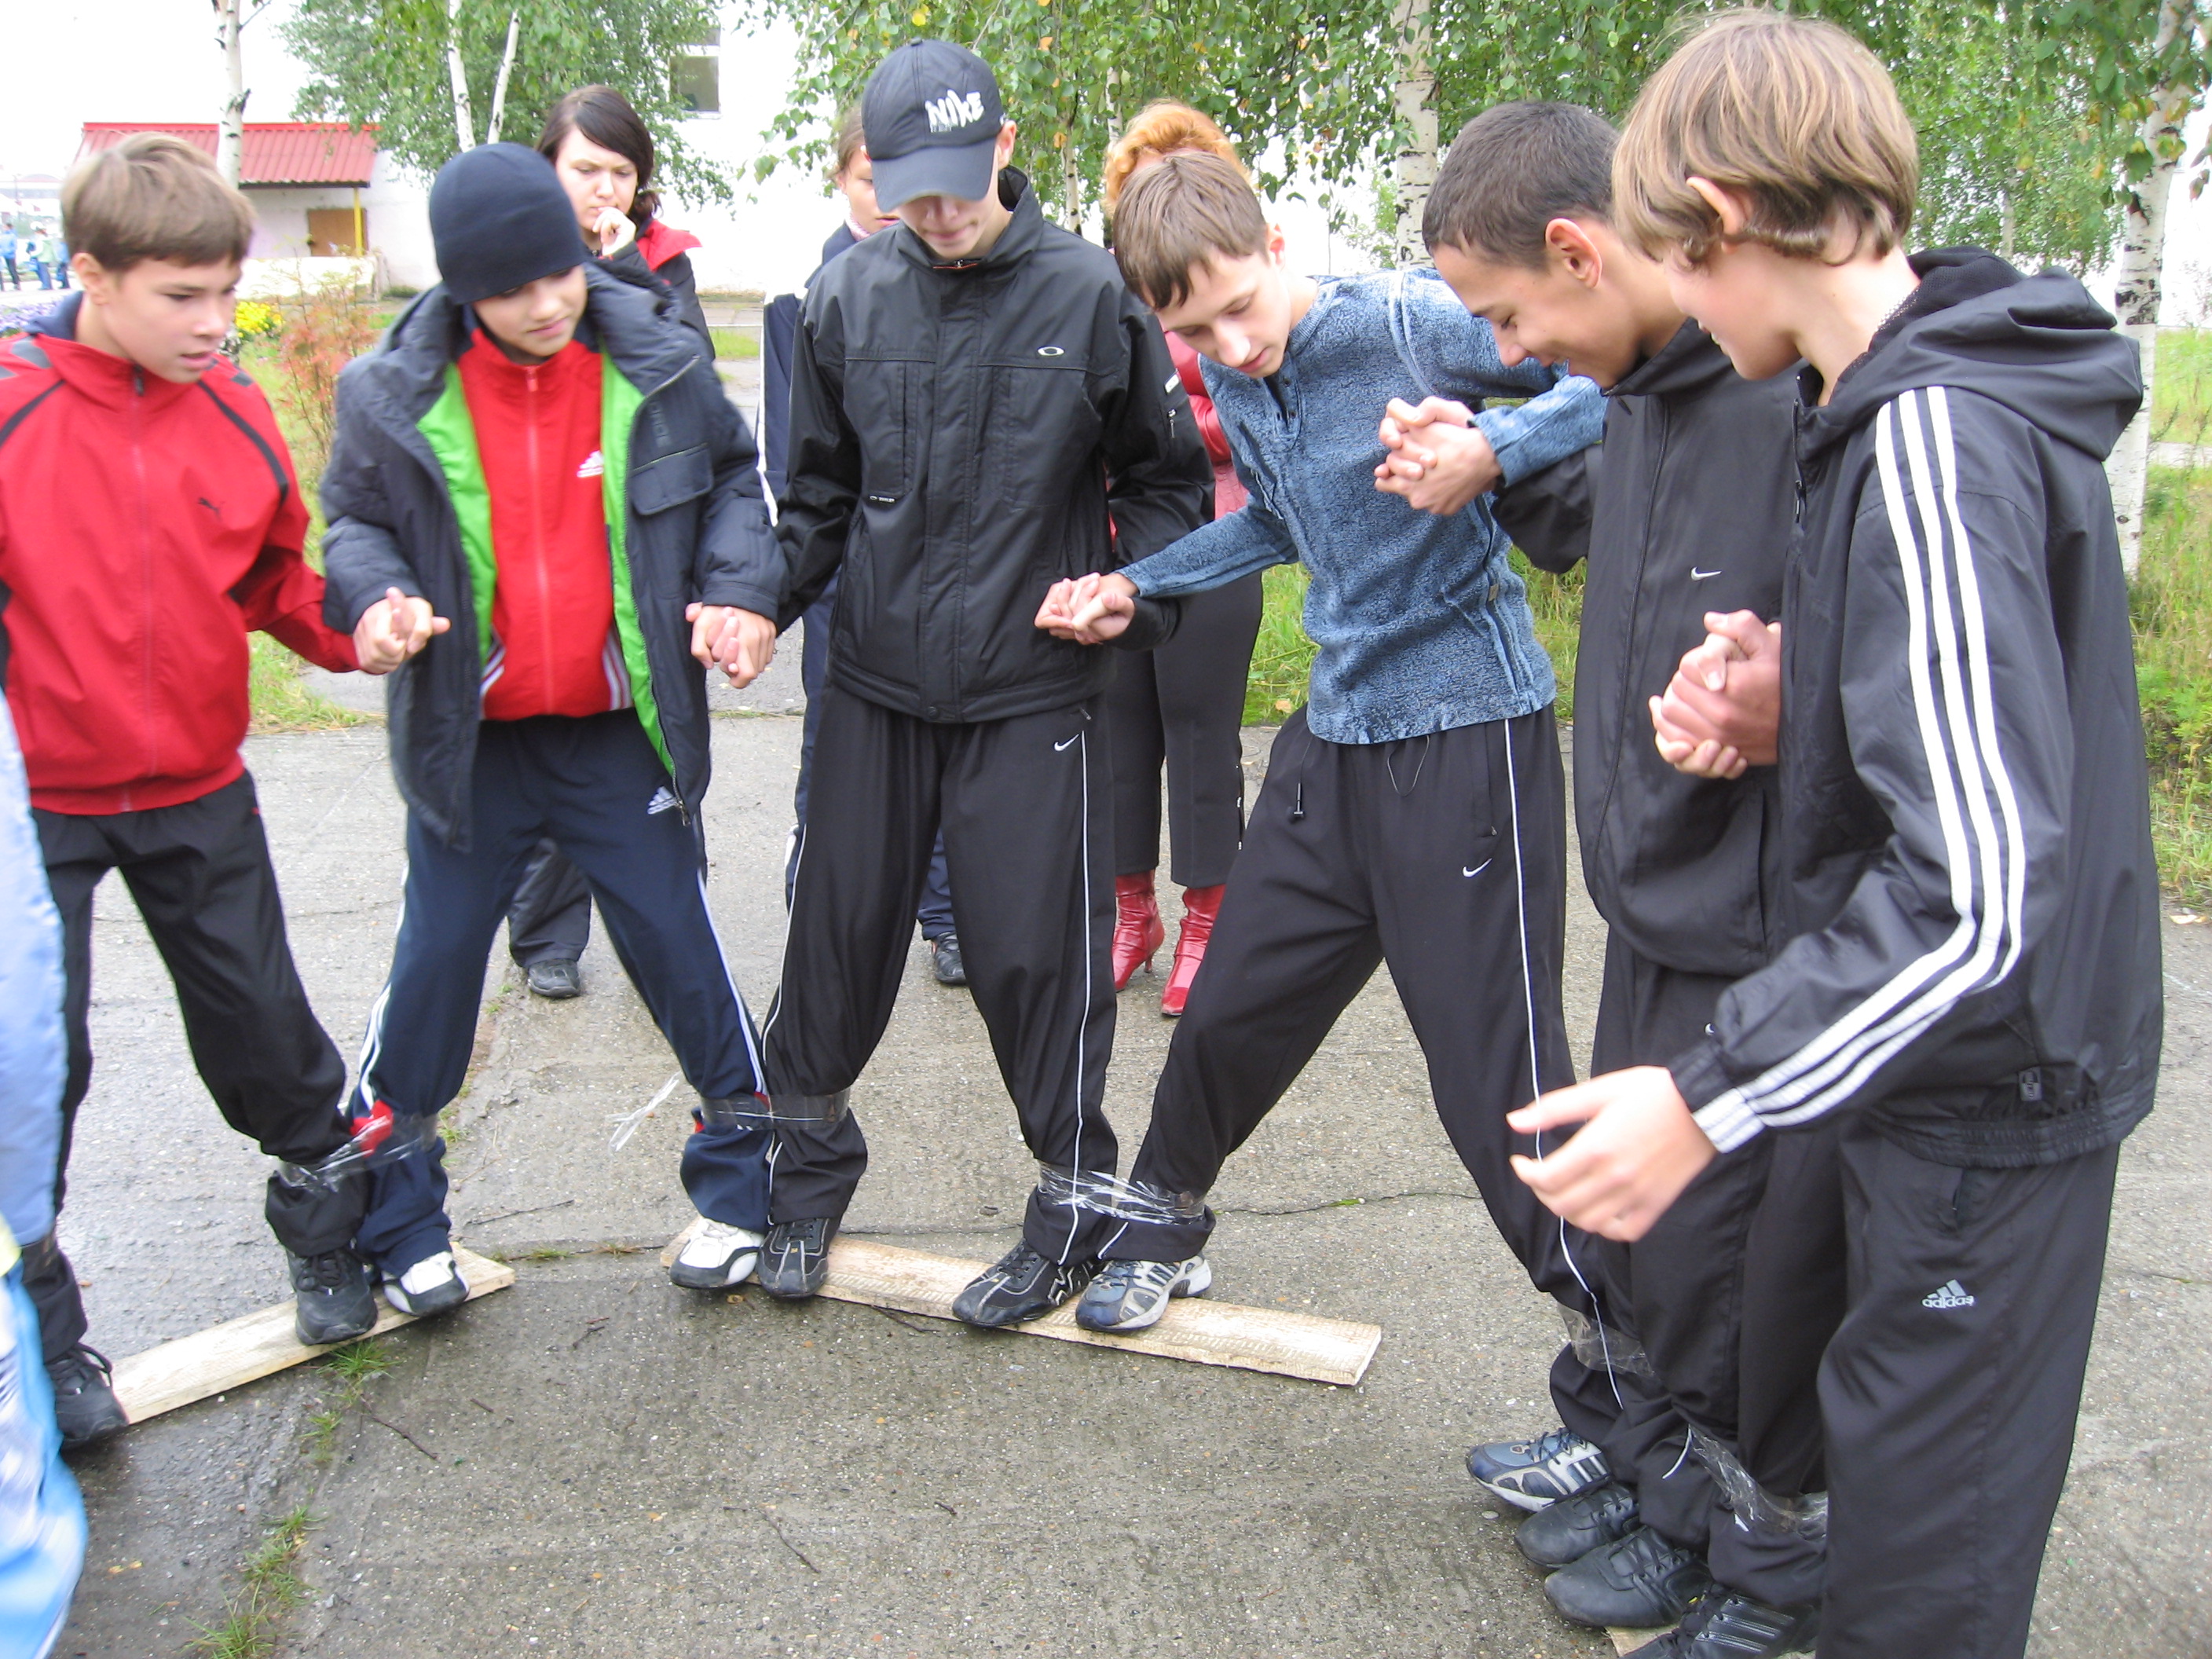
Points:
[[978, 409]]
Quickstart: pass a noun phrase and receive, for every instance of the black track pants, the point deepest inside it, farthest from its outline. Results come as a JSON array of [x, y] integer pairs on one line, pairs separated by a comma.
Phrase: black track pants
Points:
[[1731, 1296], [550, 920], [200, 875], [1024, 806], [1182, 706], [596, 787], [1950, 1392], [1444, 856]]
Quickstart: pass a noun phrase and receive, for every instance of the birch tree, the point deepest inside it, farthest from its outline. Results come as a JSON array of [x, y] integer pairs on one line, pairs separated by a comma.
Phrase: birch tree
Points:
[[231, 17]]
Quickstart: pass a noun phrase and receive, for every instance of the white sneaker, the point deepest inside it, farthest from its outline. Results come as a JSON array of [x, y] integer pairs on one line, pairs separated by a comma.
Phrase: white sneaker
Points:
[[717, 1257], [430, 1286], [1130, 1296]]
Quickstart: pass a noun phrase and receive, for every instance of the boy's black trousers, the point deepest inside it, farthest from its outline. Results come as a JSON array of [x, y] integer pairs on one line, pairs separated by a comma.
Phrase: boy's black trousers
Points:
[[1025, 805], [1445, 857], [1182, 706], [1731, 1298], [595, 786], [1950, 1392], [200, 874]]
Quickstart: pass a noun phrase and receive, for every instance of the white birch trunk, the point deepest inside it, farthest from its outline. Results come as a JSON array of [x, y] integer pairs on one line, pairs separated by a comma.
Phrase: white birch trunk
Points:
[[1071, 180], [499, 86], [230, 141], [2142, 252], [1416, 167], [465, 120]]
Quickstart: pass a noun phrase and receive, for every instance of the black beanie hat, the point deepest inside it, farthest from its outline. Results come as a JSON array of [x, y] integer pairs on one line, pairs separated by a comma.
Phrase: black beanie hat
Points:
[[498, 219]]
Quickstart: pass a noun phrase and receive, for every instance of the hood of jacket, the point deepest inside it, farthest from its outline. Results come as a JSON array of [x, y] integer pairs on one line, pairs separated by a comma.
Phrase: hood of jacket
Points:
[[2040, 346]]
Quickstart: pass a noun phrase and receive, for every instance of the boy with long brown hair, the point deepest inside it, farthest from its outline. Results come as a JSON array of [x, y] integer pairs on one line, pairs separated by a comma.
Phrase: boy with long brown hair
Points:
[[1971, 982]]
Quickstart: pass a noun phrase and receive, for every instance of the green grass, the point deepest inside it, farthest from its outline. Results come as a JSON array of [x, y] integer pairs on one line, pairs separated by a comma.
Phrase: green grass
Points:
[[2181, 405], [2171, 607], [736, 342], [268, 1591]]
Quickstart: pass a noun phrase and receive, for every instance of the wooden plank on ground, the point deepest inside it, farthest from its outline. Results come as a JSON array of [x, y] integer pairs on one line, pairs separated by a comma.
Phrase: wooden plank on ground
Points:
[[230, 1355], [1627, 1641], [1195, 1329]]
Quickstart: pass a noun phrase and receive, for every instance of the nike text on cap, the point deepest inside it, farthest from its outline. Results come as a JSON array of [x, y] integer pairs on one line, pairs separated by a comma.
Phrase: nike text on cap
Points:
[[931, 117]]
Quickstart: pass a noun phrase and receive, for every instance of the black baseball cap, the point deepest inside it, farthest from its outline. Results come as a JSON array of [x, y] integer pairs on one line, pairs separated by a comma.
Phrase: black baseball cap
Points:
[[931, 118]]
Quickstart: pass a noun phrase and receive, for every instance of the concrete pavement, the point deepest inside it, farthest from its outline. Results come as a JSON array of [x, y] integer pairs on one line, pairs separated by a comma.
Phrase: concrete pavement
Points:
[[594, 1462]]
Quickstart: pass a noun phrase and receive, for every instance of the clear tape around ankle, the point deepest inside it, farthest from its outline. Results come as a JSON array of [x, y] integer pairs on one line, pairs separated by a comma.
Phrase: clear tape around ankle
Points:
[[1755, 1508], [1126, 1201], [1609, 1349], [384, 1138]]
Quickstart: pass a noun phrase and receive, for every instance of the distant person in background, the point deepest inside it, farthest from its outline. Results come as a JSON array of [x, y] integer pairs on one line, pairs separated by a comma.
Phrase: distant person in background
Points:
[[7, 257], [34, 253], [42, 1529], [61, 263], [604, 157], [854, 179], [1180, 705]]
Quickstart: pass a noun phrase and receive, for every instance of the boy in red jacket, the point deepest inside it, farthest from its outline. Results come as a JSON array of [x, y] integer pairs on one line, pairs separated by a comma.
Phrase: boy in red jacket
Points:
[[148, 520]]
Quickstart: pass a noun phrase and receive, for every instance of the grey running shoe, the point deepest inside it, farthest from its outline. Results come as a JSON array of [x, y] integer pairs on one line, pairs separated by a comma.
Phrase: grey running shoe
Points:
[[85, 1406], [1130, 1296], [1530, 1474], [555, 981]]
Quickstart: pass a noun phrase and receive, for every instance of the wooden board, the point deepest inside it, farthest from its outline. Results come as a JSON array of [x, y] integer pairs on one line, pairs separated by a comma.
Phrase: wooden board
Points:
[[230, 1355], [1193, 1329], [1627, 1641]]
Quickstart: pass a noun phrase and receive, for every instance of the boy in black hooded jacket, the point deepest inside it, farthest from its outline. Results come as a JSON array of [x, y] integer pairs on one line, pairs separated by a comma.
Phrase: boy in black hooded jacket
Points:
[[1971, 982]]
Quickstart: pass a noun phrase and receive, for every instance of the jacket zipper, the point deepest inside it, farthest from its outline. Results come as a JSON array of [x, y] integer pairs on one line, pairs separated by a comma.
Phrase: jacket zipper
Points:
[[538, 534], [146, 576], [675, 784]]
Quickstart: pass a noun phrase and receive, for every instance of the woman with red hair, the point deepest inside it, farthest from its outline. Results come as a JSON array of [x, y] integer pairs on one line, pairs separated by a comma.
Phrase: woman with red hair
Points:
[[1182, 706]]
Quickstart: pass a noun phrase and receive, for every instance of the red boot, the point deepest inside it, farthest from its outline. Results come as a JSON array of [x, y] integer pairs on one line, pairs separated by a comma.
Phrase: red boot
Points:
[[1200, 905], [1138, 931]]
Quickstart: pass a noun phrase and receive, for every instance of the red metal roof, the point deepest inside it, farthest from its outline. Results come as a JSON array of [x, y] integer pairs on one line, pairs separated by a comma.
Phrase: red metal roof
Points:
[[277, 152]]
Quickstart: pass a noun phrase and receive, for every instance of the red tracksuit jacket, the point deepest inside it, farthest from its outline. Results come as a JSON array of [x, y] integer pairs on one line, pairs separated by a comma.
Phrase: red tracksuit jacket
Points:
[[145, 528]]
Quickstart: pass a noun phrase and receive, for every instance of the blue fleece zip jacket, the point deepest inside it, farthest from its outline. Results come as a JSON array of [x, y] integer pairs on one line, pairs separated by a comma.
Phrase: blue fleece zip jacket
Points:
[[1420, 623]]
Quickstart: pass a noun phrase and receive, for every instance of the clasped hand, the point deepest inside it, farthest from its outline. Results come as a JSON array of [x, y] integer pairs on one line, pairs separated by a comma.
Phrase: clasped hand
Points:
[[1089, 609], [1439, 459], [1723, 710], [740, 642]]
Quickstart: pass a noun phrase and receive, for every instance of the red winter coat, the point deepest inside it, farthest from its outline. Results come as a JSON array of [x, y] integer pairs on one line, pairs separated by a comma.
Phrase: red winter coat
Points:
[[1228, 488], [145, 528]]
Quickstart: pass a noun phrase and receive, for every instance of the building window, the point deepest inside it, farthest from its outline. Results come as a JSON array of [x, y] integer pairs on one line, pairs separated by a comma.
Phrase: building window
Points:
[[696, 77]]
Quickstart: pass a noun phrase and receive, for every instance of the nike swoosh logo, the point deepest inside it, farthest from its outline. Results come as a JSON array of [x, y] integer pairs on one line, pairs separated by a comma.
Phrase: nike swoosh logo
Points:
[[1697, 575], [1057, 747], [1478, 869]]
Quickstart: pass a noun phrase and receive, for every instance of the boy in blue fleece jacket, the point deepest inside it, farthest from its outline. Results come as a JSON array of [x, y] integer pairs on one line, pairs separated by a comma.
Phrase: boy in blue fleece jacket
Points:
[[1414, 812]]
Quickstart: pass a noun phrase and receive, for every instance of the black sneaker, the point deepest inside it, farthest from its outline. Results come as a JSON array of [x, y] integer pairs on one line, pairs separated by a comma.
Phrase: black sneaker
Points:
[[1530, 1474], [796, 1258], [555, 981], [1729, 1625], [1561, 1534], [332, 1298], [1020, 1286], [85, 1406], [1640, 1581], [945, 960]]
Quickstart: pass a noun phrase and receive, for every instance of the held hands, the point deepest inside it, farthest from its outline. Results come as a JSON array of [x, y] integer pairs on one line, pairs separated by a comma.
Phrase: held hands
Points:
[[613, 231], [1438, 460], [1638, 1148], [1723, 710], [1089, 609], [393, 629], [741, 643]]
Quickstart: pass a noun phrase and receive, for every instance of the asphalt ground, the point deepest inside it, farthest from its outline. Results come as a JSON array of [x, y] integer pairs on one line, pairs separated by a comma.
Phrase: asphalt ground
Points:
[[594, 1463]]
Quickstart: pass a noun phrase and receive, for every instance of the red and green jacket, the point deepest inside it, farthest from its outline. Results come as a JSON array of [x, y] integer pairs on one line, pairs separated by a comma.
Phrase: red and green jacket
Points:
[[146, 527]]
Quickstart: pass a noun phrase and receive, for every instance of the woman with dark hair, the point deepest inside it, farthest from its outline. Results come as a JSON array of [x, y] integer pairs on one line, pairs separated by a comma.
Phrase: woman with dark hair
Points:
[[604, 157], [600, 149]]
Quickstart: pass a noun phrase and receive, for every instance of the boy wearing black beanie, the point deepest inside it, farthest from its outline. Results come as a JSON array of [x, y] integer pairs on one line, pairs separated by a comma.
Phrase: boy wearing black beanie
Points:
[[544, 508]]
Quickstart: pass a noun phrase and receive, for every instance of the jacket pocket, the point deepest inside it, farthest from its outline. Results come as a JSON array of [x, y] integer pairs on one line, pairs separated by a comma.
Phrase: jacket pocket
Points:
[[1038, 427], [671, 480], [880, 404]]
